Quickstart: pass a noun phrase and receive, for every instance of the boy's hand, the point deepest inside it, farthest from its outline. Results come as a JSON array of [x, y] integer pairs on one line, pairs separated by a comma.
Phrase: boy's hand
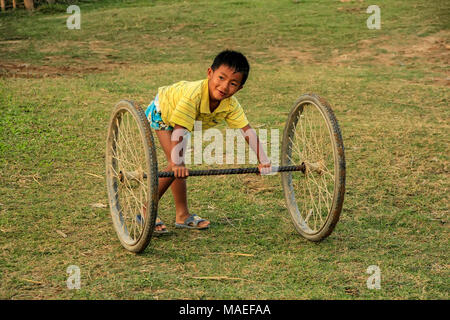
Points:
[[180, 171], [265, 168]]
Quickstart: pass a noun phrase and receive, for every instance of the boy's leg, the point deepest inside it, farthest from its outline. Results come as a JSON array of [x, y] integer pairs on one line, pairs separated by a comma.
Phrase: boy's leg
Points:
[[178, 186]]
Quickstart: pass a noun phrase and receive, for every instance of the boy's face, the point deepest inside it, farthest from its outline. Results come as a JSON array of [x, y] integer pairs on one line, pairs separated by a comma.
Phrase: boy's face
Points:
[[223, 83]]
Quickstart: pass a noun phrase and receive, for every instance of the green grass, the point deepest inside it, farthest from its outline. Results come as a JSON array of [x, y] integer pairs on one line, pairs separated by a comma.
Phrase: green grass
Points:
[[388, 88]]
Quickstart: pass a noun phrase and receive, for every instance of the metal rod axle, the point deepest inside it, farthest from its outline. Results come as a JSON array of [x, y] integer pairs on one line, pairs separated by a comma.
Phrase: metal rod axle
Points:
[[138, 175], [215, 172]]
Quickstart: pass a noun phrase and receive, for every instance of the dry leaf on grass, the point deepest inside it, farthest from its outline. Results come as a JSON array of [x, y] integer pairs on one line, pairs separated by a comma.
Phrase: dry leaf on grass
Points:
[[62, 234], [234, 254], [32, 281], [98, 205], [95, 175], [219, 278]]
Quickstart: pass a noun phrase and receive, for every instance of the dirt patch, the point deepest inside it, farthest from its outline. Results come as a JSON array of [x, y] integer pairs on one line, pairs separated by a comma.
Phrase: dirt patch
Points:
[[56, 63], [13, 45], [59, 46], [101, 48], [383, 50], [26, 70], [441, 81], [290, 54], [286, 54], [356, 10], [433, 49]]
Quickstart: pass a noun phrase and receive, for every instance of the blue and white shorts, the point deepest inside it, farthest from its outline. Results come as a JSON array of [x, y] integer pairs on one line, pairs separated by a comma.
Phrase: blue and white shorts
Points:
[[153, 114]]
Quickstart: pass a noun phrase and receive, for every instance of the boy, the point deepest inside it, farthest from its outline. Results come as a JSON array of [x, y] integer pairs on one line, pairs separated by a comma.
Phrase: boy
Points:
[[172, 114]]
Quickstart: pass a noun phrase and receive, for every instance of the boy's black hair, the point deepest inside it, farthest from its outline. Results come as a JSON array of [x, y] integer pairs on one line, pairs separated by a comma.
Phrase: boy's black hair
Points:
[[234, 60]]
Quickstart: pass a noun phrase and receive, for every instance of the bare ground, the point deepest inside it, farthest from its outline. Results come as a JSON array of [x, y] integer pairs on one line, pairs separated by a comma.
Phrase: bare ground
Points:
[[433, 50]]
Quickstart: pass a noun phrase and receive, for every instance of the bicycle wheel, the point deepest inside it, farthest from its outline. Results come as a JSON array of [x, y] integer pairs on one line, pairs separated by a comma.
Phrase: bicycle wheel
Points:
[[131, 176], [314, 197]]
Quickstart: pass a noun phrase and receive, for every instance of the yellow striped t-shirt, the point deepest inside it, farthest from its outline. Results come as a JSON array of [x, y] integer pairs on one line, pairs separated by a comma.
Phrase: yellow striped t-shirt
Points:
[[185, 102]]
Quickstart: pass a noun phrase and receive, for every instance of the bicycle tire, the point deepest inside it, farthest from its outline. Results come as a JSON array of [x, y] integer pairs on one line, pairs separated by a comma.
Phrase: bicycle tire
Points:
[[129, 133], [299, 206]]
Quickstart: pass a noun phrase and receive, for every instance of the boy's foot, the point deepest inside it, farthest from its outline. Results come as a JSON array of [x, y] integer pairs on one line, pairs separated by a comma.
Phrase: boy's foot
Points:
[[160, 227], [193, 222]]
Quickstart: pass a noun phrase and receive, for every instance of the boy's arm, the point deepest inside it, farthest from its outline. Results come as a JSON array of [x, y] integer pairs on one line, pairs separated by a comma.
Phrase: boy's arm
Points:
[[178, 146], [265, 167]]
